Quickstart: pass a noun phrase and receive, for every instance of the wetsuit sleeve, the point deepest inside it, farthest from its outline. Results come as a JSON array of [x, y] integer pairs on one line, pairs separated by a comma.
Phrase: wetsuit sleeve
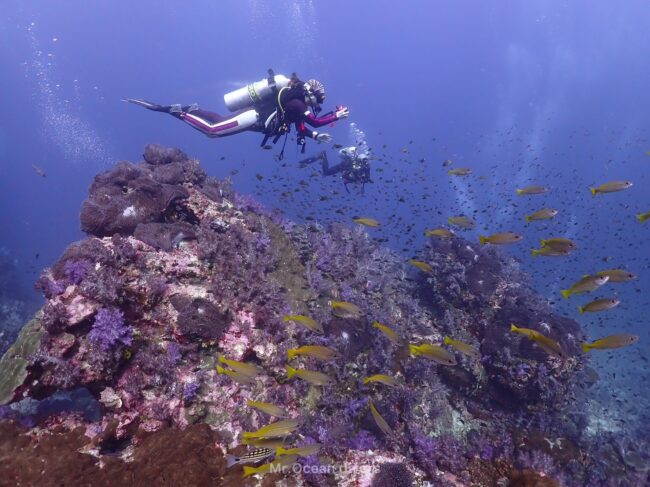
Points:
[[314, 121]]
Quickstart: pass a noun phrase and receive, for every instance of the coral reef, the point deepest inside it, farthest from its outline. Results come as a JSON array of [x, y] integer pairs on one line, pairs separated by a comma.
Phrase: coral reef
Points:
[[179, 270]]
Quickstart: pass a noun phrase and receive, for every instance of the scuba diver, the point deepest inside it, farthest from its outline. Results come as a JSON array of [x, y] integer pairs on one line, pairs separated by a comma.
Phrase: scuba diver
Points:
[[269, 106], [354, 164]]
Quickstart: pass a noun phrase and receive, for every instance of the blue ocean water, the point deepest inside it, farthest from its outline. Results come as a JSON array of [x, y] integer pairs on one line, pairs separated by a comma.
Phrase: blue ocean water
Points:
[[551, 93]]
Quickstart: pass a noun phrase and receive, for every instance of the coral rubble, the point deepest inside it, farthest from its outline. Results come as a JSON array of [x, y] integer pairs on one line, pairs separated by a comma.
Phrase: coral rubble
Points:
[[178, 270]]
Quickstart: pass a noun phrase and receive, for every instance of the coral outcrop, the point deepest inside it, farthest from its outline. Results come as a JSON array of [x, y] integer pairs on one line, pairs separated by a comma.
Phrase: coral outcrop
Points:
[[179, 270]]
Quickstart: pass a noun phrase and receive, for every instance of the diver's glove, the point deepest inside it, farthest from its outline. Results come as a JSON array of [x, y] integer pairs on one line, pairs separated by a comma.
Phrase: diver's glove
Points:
[[327, 138], [342, 112]]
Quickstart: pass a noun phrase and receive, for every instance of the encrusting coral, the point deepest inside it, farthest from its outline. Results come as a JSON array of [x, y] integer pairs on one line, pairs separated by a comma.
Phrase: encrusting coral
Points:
[[179, 276]]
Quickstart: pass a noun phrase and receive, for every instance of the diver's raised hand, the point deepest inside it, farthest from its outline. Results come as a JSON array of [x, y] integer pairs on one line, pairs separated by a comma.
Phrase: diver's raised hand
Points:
[[327, 138], [342, 112]]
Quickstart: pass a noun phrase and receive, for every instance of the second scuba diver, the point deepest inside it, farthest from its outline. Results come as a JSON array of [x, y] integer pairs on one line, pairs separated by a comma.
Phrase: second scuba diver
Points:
[[354, 161], [269, 106]]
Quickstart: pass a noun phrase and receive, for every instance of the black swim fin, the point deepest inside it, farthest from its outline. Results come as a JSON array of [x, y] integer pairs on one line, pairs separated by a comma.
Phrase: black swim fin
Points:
[[148, 105]]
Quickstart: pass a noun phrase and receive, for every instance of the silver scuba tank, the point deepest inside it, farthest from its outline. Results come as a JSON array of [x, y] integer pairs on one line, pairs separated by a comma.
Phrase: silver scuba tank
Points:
[[254, 94]]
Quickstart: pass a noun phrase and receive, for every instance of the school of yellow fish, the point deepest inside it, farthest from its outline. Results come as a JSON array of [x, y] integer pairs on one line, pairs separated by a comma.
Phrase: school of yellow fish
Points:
[[273, 435]]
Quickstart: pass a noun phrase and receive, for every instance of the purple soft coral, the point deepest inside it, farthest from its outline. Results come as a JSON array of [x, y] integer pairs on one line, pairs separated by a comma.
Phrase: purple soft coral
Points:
[[109, 329], [76, 270]]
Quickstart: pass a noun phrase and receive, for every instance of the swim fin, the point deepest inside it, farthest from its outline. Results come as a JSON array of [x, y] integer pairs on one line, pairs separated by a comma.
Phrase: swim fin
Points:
[[148, 105]]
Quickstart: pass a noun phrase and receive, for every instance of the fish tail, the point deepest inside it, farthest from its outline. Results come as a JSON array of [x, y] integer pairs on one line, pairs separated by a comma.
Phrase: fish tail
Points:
[[230, 460], [250, 403], [375, 324], [280, 451], [220, 370], [543, 242], [291, 371], [483, 240], [291, 353], [641, 217], [581, 309], [513, 327], [286, 318], [247, 436], [366, 380], [585, 347], [447, 340], [450, 171], [527, 218], [593, 191], [566, 293], [520, 192], [535, 252], [413, 349], [248, 471]]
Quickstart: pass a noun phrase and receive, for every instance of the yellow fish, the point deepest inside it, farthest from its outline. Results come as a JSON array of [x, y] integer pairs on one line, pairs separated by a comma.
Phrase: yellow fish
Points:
[[543, 214], [423, 266], [311, 376], [547, 344], [315, 351], [382, 379], [433, 352], [303, 451], [264, 442], [381, 422], [584, 285], [305, 321], [460, 171], [439, 232], [242, 379], [559, 244], [368, 222], [500, 238], [243, 368], [643, 217], [268, 408], [343, 309], [549, 252], [617, 275], [274, 430], [599, 305], [462, 222], [612, 341], [530, 190], [389, 332], [463, 347], [611, 187], [275, 466]]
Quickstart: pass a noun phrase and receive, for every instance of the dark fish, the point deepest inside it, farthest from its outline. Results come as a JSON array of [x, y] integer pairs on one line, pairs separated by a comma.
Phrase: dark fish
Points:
[[252, 456]]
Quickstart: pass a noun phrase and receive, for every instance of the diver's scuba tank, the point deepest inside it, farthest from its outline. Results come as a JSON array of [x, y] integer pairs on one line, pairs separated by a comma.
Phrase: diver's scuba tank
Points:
[[257, 93]]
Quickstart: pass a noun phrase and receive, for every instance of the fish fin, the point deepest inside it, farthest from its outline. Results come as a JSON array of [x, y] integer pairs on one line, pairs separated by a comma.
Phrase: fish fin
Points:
[[535, 252], [447, 340], [520, 192], [581, 309], [513, 327], [220, 370], [246, 436], [641, 217], [290, 372], [280, 451], [585, 347], [593, 191], [585, 276], [375, 324], [543, 242], [566, 293], [250, 403], [450, 171], [366, 380], [248, 471], [286, 318], [527, 218], [231, 460], [291, 353], [483, 240]]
